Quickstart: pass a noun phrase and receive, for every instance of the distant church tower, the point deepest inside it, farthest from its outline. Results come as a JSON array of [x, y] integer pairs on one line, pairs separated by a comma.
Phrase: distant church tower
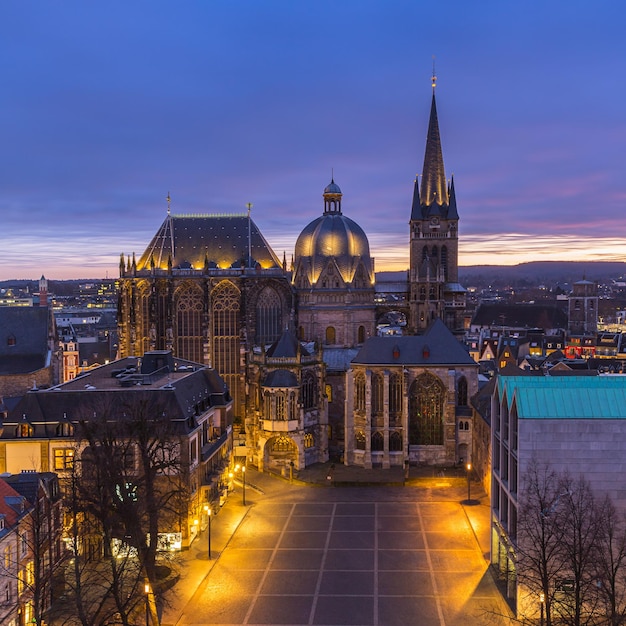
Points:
[[583, 308], [434, 291]]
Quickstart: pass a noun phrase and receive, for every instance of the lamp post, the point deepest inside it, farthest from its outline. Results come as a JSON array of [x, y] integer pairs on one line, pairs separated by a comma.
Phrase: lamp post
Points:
[[469, 469], [243, 479], [146, 588], [207, 508], [542, 601]]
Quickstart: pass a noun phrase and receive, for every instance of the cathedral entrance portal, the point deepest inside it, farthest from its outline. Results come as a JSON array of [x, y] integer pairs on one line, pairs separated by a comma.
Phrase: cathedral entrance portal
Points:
[[280, 455]]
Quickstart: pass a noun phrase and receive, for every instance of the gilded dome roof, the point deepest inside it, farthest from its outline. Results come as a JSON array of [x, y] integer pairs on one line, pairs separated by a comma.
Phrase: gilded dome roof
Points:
[[332, 236]]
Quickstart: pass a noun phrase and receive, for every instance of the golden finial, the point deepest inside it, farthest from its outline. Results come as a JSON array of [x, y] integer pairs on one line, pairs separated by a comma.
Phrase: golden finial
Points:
[[249, 206], [168, 202], [434, 77]]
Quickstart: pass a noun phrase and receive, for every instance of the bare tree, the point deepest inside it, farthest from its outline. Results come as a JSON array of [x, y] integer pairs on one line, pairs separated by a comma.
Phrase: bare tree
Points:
[[540, 530], [571, 550], [129, 485], [578, 602], [610, 566]]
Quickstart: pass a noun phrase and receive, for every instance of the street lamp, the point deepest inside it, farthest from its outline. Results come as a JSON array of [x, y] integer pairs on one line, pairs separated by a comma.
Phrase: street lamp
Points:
[[469, 469], [243, 479], [207, 508], [542, 601], [146, 588]]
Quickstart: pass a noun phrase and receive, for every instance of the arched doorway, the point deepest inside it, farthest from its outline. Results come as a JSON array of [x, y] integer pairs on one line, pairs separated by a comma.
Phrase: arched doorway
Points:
[[280, 452]]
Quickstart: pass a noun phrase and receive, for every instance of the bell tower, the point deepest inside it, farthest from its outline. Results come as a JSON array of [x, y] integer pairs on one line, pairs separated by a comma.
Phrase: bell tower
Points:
[[434, 291]]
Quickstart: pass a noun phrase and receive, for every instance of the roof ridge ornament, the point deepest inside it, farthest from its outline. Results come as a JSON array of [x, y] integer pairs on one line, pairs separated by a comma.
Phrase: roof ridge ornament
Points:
[[168, 202]]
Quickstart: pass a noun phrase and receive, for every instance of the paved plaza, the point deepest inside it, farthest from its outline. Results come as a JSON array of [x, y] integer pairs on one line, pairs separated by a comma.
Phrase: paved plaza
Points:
[[371, 555]]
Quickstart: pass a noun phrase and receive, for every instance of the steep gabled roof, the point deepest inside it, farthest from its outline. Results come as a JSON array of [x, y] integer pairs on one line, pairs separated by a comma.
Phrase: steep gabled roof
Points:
[[23, 339], [436, 347]]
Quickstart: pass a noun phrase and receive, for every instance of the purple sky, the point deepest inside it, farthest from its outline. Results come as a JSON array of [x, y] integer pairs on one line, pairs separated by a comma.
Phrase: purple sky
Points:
[[107, 106]]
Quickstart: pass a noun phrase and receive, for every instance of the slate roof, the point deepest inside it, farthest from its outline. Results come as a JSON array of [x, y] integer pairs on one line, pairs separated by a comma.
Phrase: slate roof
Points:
[[280, 378], [220, 239], [545, 316], [8, 498], [569, 397], [27, 484], [338, 359], [114, 388], [286, 346], [436, 347], [23, 339]]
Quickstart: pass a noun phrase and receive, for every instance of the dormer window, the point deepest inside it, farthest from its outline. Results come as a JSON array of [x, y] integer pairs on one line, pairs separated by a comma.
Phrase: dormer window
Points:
[[65, 429], [11, 340], [25, 430]]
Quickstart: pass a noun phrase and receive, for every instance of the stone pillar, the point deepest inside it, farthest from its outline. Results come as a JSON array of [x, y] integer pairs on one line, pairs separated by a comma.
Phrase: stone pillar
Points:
[[386, 459]]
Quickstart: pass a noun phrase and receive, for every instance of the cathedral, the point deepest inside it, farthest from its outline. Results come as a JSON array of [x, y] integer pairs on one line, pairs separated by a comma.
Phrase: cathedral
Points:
[[210, 289]]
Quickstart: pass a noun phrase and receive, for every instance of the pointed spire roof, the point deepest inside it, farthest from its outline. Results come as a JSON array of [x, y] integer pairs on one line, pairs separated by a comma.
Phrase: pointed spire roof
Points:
[[453, 214], [286, 346], [434, 188]]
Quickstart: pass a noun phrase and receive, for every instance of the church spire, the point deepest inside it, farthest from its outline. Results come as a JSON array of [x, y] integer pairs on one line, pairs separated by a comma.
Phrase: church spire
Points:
[[433, 189]]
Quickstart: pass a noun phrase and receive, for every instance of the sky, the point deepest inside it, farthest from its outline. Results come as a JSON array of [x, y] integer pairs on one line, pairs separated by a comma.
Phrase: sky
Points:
[[106, 107]]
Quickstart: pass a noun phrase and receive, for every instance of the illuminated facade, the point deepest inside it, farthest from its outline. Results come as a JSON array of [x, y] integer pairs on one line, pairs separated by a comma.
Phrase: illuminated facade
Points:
[[334, 278], [208, 287], [287, 422], [408, 401], [434, 290]]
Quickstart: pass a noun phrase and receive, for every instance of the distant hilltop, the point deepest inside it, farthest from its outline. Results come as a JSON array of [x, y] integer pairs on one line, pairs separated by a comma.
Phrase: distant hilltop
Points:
[[538, 272], [535, 272]]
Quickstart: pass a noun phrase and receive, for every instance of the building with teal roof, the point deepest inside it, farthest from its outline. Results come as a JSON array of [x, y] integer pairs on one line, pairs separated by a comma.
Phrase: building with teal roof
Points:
[[573, 424]]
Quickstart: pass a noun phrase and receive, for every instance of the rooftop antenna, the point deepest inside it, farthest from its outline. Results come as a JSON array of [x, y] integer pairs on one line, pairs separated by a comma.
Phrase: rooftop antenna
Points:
[[249, 206], [168, 202], [434, 76]]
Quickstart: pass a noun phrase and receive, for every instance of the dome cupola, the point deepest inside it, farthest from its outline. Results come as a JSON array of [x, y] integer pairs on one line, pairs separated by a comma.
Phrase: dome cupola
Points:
[[335, 238]]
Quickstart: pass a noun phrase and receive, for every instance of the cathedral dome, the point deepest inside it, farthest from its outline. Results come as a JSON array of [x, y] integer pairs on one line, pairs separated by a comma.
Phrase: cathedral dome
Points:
[[333, 236]]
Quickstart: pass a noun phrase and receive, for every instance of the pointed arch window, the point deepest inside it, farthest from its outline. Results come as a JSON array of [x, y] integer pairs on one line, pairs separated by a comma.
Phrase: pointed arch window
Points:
[[426, 404], [143, 306], [395, 442], [309, 391], [461, 392], [282, 444], [189, 339], [378, 442], [378, 393], [444, 261], [395, 395], [268, 316], [162, 317], [225, 309], [359, 389]]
